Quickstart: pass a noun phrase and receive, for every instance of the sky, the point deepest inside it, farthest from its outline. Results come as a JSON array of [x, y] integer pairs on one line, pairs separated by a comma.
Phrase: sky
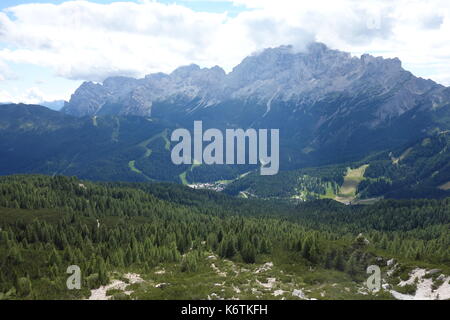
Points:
[[48, 48]]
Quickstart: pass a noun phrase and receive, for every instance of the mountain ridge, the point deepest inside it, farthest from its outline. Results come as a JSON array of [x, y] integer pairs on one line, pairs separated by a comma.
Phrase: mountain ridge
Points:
[[273, 74], [326, 103]]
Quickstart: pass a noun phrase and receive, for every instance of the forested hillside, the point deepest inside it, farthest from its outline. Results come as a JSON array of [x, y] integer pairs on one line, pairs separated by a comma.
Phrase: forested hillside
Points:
[[420, 169], [34, 139], [170, 234]]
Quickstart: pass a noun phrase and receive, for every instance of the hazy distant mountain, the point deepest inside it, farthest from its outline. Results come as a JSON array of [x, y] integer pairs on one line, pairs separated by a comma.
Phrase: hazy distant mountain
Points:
[[54, 105]]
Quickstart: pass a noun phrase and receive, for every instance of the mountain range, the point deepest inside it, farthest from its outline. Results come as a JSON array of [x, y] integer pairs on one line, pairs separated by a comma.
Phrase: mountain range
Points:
[[332, 109], [325, 102]]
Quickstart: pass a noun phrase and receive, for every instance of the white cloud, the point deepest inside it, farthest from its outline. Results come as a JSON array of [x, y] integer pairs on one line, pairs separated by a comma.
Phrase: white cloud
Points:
[[6, 73], [5, 96], [83, 40], [33, 95], [88, 41]]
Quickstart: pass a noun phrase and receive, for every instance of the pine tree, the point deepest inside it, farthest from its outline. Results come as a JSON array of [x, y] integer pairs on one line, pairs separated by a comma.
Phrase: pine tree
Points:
[[248, 253], [352, 266], [338, 262]]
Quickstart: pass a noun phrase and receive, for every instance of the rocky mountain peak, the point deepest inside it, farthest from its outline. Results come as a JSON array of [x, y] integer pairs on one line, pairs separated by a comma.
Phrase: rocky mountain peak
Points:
[[185, 71], [274, 74]]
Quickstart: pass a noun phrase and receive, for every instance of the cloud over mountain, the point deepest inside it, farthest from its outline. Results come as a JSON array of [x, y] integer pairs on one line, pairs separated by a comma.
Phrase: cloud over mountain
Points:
[[88, 41]]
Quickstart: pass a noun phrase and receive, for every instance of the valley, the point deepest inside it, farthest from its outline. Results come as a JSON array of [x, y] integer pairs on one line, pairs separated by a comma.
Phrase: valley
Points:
[[140, 151]]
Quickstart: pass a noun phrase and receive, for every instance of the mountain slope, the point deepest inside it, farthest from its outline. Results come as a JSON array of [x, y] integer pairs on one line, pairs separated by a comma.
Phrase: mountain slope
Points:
[[418, 170], [329, 106], [34, 139]]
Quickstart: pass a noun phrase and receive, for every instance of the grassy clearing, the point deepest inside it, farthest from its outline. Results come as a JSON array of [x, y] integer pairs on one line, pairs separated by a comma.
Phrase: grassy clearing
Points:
[[329, 192], [161, 135], [445, 186], [347, 192], [164, 136], [132, 166], [402, 156], [148, 151], [183, 174], [183, 178], [233, 180]]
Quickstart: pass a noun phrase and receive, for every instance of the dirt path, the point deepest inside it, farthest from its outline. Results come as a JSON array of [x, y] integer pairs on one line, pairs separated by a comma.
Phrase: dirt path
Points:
[[100, 293]]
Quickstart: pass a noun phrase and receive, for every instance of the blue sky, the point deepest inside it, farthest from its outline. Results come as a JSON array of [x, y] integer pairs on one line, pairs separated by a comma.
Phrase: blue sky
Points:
[[12, 3], [46, 52], [197, 5]]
